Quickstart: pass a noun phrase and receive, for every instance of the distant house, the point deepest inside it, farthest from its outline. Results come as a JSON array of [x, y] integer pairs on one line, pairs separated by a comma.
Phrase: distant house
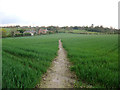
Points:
[[42, 31], [31, 32], [16, 32]]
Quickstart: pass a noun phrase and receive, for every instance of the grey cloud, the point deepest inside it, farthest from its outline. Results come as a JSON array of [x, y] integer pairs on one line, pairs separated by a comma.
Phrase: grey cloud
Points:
[[8, 19]]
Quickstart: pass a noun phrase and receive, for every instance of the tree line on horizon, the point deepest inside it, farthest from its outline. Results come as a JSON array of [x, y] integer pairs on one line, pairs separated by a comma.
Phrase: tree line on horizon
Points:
[[89, 28], [57, 29]]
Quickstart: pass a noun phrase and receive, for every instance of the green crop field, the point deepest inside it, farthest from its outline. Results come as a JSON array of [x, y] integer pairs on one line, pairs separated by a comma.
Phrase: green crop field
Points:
[[94, 58], [77, 31], [25, 59]]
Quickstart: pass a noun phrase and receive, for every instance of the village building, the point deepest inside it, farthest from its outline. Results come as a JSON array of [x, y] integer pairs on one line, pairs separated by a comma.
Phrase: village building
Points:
[[15, 32], [42, 31], [31, 32]]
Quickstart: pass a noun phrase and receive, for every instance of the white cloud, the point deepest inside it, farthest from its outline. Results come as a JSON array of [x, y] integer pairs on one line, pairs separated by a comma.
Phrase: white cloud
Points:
[[63, 12]]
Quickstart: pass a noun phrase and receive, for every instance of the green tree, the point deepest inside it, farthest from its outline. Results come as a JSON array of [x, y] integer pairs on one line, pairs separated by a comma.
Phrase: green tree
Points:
[[21, 30], [4, 33], [12, 33]]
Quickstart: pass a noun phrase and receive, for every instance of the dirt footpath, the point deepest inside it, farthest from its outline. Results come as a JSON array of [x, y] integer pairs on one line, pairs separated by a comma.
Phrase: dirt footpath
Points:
[[58, 75]]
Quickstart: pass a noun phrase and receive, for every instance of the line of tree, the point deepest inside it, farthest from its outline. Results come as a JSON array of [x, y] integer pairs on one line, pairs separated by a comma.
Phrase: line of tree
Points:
[[57, 29], [88, 28]]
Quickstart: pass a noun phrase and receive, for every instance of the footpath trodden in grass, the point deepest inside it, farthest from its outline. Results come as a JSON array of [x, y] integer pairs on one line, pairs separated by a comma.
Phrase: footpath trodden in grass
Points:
[[58, 75], [94, 60]]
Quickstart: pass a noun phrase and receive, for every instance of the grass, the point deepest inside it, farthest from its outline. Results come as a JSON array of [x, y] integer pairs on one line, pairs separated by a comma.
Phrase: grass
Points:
[[94, 58], [77, 31], [25, 59], [80, 32]]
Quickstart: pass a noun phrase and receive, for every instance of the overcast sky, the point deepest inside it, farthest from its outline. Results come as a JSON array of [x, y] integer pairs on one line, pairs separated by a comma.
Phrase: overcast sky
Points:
[[59, 12]]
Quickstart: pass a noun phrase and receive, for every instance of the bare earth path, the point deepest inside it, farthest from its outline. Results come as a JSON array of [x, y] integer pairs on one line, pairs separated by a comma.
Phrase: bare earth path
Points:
[[58, 75]]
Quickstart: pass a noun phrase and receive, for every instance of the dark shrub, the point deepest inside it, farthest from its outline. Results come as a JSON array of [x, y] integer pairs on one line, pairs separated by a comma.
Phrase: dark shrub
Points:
[[18, 35], [27, 34]]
